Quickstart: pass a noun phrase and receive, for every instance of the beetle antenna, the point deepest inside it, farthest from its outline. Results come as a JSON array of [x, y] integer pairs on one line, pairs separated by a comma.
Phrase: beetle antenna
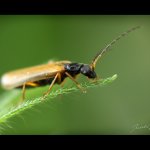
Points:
[[101, 52]]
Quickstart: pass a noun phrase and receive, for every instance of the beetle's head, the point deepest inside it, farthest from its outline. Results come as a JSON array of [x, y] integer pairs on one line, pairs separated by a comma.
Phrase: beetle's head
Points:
[[88, 71]]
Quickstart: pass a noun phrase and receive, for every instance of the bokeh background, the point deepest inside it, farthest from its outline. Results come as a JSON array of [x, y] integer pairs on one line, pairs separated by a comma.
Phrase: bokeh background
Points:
[[122, 107]]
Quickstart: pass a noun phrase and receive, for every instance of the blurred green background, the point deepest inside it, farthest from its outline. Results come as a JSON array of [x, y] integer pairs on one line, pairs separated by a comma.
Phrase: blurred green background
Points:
[[118, 108]]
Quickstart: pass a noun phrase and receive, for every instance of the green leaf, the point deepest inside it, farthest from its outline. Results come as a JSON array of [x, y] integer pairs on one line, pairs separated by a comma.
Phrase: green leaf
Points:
[[9, 106]]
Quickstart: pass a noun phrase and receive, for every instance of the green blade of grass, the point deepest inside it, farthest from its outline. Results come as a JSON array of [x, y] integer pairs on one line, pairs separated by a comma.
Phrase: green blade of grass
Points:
[[12, 111]]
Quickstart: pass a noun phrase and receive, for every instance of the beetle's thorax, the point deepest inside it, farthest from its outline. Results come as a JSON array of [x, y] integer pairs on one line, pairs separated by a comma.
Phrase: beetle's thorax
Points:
[[76, 68]]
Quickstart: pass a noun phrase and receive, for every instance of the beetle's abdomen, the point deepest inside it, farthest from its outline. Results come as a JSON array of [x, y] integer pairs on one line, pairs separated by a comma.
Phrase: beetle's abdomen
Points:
[[43, 82]]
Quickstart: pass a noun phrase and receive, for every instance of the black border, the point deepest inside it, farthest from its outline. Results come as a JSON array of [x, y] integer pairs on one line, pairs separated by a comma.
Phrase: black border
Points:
[[75, 141], [109, 7], [74, 8]]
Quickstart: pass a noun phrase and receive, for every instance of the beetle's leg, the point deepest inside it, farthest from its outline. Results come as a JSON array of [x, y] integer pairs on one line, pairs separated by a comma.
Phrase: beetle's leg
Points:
[[78, 85], [24, 88], [23, 92], [51, 85], [63, 82], [32, 84]]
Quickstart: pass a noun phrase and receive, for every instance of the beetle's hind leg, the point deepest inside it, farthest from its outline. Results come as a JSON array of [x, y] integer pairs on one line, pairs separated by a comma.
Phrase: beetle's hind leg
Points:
[[23, 92], [30, 84]]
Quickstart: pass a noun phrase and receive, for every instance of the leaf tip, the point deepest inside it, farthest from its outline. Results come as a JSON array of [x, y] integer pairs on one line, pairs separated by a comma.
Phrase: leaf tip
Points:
[[114, 77]]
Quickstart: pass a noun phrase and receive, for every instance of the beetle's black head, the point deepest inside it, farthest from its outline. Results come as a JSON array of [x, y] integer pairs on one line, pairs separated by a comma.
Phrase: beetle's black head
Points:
[[88, 71], [75, 68]]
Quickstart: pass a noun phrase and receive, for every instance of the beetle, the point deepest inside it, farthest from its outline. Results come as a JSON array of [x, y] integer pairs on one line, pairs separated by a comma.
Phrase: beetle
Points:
[[54, 72]]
